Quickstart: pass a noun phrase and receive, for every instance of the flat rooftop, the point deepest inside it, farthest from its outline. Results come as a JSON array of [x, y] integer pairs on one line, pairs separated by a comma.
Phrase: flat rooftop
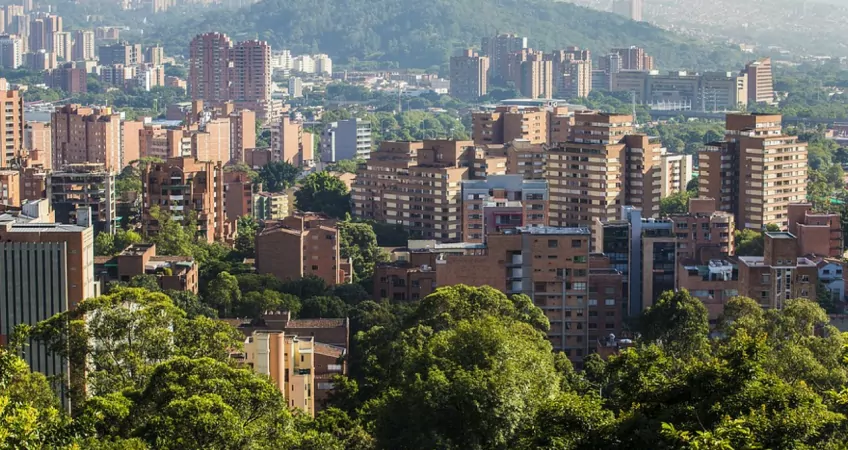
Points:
[[45, 228], [555, 231], [780, 235]]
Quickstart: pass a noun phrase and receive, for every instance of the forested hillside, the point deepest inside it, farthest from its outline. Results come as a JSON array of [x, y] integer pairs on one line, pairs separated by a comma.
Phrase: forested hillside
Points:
[[423, 34]]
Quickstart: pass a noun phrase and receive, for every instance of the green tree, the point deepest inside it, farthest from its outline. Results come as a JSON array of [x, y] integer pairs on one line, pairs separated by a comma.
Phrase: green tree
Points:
[[278, 176], [315, 307], [324, 193], [104, 244], [748, 242], [125, 238], [345, 166], [678, 322], [359, 243], [677, 203], [223, 293], [245, 241]]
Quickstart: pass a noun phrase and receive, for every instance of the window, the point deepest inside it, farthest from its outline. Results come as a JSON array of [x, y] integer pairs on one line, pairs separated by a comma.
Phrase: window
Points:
[[578, 286], [609, 302], [610, 326], [805, 278], [576, 243], [593, 302], [593, 314], [766, 278], [334, 367], [610, 314], [593, 326], [553, 243], [314, 267], [580, 259]]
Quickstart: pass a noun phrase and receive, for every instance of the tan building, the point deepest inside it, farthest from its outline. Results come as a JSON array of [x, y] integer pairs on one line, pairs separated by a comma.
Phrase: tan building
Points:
[[536, 76], [469, 76], [177, 273], [310, 243], [153, 142], [723, 91], [209, 72], [586, 174], [242, 134], [756, 173], [251, 72], [12, 125], [550, 265], [289, 143], [760, 81], [83, 47], [86, 135], [418, 185], [38, 142], [34, 181], [779, 275], [634, 58], [508, 123], [131, 140], [182, 185], [47, 268], [289, 361], [500, 203], [526, 159], [497, 49], [10, 188]]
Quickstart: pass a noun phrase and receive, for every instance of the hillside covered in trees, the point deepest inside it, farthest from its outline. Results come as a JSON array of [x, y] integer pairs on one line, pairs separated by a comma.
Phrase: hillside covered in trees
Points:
[[417, 34], [465, 368]]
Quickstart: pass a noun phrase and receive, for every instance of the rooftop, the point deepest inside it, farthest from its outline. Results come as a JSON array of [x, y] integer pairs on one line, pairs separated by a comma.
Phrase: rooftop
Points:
[[759, 261], [45, 228], [316, 323], [554, 231], [780, 235]]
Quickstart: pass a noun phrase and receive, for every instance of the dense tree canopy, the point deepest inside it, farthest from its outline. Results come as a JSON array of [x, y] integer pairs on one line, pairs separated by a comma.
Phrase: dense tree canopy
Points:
[[324, 193]]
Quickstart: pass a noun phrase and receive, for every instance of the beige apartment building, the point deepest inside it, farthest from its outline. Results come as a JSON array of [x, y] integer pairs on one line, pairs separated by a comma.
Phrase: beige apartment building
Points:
[[290, 143], [586, 174], [756, 172], [532, 124], [10, 188], [418, 185], [38, 142], [500, 203], [87, 135], [309, 243], [12, 125], [289, 362], [760, 81], [675, 173]]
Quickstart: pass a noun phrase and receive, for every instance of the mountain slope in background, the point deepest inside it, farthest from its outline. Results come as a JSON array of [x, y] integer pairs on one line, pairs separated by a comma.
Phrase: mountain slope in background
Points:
[[414, 33]]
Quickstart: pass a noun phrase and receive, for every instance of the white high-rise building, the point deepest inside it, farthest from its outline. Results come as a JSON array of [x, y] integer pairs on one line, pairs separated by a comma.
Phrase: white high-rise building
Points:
[[282, 60], [295, 87], [304, 64], [323, 64], [11, 51]]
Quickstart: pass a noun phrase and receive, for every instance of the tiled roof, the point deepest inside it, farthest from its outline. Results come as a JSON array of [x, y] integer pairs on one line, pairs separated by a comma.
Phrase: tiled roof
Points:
[[329, 350]]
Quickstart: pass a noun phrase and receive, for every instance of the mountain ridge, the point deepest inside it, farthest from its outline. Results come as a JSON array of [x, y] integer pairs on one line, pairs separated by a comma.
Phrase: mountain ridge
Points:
[[414, 34]]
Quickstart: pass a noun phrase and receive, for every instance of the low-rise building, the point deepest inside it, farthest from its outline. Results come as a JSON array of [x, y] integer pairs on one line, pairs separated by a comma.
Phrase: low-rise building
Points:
[[289, 361], [178, 273], [84, 186], [780, 274], [271, 205], [299, 245]]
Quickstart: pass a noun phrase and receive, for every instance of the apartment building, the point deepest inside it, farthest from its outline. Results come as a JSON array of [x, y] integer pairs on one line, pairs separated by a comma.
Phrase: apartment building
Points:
[[177, 273], [756, 172], [346, 139], [87, 135], [289, 143], [508, 123], [331, 341], [186, 188], [818, 234], [497, 49], [47, 268], [87, 187], [34, 182], [242, 134], [634, 58], [675, 172], [83, 47], [586, 173], [418, 185], [310, 243], [38, 143], [120, 53], [10, 188], [67, 77], [272, 205], [500, 203], [780, 274], [525, 159], [289, 362], [11, 125], [469, 76], [536, 77], [550, 265], [11, 51], [251, 76], [209, 74], [760, 81]]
